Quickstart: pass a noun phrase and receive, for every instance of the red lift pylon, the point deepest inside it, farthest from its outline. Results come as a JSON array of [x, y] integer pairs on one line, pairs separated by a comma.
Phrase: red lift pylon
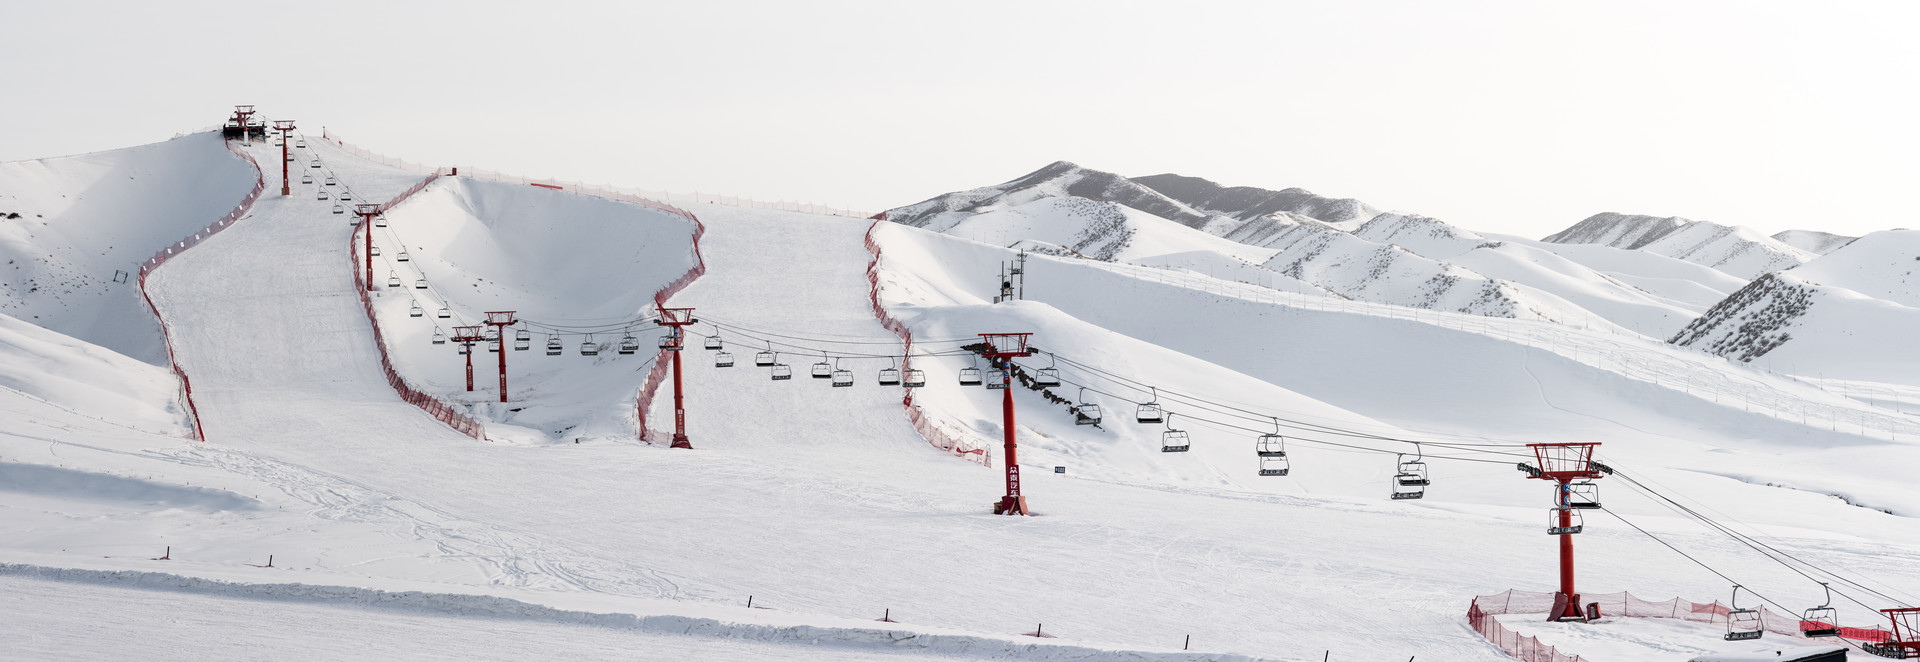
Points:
[[1563, 463], [367, 212], [285, 127], [674, 319], [244, 111], [467, 336], [499, 320], [1001, 349]]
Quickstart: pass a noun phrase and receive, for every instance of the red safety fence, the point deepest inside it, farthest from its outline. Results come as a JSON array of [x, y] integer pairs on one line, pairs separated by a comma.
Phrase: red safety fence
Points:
[[922, 423], [166, 335], [1480, 616], [439, 410]]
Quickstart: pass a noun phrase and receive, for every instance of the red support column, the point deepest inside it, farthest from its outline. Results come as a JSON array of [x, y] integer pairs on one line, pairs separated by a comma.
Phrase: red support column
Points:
[[1562, 463], [500, 320], [1001, 349], [285, 127], [367, 212], [1566, 557], [467, 336], [676, 319]]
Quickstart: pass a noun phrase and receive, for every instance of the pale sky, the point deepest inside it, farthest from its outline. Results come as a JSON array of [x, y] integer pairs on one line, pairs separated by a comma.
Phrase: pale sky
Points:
[[1510, 117]]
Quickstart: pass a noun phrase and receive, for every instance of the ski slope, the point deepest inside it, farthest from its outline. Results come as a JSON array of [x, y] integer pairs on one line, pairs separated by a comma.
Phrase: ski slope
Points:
[[824, 503]]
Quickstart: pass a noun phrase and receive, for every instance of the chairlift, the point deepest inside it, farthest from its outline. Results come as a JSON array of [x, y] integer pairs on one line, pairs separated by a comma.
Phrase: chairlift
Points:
[[393, 279], [306, 179], [588, 347], [997, 378], [376, 250], [337, 209], [782, 372], [1272, 451], [669, 342], [416, 310], [321, 195], [1410, 482], [1584, 495], [970, 376], [554, 348], [1574, 522], [380, 221], [722, 360], [403, 256], [420, 284], [522, 340], [713, 343], [1743, 624], [1085, 413], [346, 194], [444, 313], [465, 348], [842, 378], [765, 358], [330, 180], [1174, 441], [889, 376], [1048, 376], [914, 378], [823, 370], [630, 344], [1150, 411], [316, 163], [1821, 621], [300, 143], [439, 338], [493, 345]]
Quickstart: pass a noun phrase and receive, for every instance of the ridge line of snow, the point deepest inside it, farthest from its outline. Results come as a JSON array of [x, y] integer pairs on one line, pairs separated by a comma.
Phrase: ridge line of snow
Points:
[[468, 605], [246, 205]]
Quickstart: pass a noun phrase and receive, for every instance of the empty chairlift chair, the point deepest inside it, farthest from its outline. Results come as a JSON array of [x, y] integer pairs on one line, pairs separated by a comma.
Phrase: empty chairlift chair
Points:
[[1086, 413], [306, 179], [1410, 481], [1571, 525], [439, 338], [722, 360], [380, 221], [1584, 495], [492, 337], [671, 341], [588, 347], [346, 194], [554, 348], [316, 163], [823, 370], [997, 378], [889, 376], [1174, 441], [337, 209], [403, 256], [300, 143], [842, 378], [913, 378], [1048, 376], [330, 180], [1743, 624], [970, 376], [416, 310], [1150, 411], [393, 279], [444, 313], [766, 358], [420, 283], [1272, 451], [713, 343], [522, 340], [631, 344], [321, 195], [782, 372], [1821, 621], [376, 249]]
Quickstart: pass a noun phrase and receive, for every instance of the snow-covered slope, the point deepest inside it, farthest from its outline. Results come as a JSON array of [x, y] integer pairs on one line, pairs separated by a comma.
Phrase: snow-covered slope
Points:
[[1736, 250], [1685, 284], [1884, 265], [87, 379], [1801, 327], [1248, 204], [1812, 241], [1058, 179], [1093, 229], [75, 229]]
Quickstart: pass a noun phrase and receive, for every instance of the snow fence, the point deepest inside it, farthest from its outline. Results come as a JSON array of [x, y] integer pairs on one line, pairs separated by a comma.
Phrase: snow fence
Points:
[[166, 335], [959, 445], [1480, 615]]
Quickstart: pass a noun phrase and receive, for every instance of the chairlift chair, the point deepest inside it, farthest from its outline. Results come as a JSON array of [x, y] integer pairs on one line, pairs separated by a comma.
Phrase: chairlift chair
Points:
[[1743, 624], [380, 221], [493, 345], [1085, 413], [465, 348], [554, 348], [671, 341], [1048, 376], [1150, 411], [329, 181], [713, 343], [823, 370], [1272, 451], [444, 313], [376, 249], [782, 372], [321, 195], [522, 340], [1412, 473], [1821, 621], [1584, 495], [969, 376], [416, 310], [439, 338], [337, 209], [420, 284], [765, 358], [722, 360], [630, 344], [393, 279], [915, 378], [889, 376], [403, 256], [1174, 441], [306, 179], [346, 194], [842, 378], [1574, 522], [588, 347], [316, 163], [300, 143], [997, 378]]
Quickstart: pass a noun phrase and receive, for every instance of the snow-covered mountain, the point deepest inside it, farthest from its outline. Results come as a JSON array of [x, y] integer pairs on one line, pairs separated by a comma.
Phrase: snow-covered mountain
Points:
[[1058, 179], [1812, 241], [1739, 251], [1884, 265], [1249, 205], [1801, 327]]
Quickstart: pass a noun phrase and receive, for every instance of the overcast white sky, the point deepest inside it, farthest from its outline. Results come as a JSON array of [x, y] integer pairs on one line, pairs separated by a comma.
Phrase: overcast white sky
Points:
[[1518, 117]]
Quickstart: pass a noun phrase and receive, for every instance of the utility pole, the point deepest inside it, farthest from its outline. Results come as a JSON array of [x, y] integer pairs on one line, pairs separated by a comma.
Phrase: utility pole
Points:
[[243, 112], [499, 320], [674, 319], [1563, 463], [467, 336], [1020, 269], [285, 126], [1002, 348], [367, 211]]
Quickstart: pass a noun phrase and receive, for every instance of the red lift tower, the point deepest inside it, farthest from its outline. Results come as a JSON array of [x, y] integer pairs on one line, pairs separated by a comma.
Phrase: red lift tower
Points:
[[674, 319], [1001, 349], [286, 128], [1571, 468], [467, 336], [500, 320], [242, 112], [367, 212]]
